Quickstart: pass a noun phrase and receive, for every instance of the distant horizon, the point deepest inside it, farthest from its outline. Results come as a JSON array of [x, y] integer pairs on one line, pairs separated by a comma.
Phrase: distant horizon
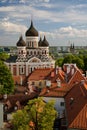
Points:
[[62, 22]]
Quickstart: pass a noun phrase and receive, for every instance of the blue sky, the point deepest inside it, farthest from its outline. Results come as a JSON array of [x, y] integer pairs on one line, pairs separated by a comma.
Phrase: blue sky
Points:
[[62, 21]]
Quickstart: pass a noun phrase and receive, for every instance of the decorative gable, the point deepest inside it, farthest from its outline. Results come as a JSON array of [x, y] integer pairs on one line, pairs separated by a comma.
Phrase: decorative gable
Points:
[[34, 60]]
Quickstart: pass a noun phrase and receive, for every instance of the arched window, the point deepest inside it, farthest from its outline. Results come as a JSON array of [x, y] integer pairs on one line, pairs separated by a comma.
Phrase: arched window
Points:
[[27, 52], [31, 52], [22, 52], [34, 52]]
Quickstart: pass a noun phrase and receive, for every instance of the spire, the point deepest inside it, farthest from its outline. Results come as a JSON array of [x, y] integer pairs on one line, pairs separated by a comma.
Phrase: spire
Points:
[[31, 24], [45, 42], [21, 42], [40, 42]]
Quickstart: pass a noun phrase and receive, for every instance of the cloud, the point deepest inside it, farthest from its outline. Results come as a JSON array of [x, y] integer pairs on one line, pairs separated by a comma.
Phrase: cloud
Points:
[[64, 32], [12, 27], [72, 32]]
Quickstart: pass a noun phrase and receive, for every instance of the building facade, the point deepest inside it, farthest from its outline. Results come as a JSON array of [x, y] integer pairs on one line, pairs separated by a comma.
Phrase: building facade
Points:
[[32, 54]]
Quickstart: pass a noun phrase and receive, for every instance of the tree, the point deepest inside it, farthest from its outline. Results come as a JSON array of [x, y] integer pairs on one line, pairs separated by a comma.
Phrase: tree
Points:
[[40, 115], [3, 56], [79, 62], [85, 63], [68, 59], [6, 80], [20, 120], [59, 61]]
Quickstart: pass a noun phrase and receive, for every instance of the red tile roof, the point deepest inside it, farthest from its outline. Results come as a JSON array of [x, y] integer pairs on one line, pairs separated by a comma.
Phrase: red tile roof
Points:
[[76, 100], [77, 77], [40, 74], [80, 121]]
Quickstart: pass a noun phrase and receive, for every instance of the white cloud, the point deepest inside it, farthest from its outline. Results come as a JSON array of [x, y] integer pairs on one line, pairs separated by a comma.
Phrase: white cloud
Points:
[[7, 9], [12, 27], [64, 32], [72, 32]]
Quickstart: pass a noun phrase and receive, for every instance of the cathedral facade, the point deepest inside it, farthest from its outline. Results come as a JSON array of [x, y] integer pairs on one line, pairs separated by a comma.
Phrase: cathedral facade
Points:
[[32, 54]]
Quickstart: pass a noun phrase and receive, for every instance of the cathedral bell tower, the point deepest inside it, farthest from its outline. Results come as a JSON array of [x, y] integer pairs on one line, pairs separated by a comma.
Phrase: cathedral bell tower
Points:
[[21, 48], [31, 37]]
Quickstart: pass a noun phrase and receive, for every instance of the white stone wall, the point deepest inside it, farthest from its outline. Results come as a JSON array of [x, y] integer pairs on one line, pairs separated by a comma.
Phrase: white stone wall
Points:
[[1, 115], [60, 109], [32, 42]]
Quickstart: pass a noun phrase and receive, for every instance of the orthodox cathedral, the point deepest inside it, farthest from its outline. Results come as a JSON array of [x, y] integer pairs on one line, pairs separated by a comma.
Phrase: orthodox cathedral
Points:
[[32, 54]]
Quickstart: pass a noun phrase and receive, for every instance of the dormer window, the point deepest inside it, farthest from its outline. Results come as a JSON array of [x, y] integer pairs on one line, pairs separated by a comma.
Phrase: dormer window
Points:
[[15, 107], [6, 107], [71, 100]]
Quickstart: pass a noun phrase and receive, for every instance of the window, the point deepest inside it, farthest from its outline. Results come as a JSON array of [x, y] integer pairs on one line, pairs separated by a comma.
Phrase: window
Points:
[[40, 83], [21, 70], [62, 104], [33, 83]]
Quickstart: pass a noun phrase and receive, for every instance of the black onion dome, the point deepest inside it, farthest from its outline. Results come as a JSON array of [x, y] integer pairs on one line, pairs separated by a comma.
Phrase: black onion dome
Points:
[[45, 42], [21, 42], [40, 42], [31, 31]]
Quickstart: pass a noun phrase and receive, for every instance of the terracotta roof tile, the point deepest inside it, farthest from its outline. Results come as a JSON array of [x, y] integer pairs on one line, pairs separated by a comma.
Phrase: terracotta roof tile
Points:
[[75, 100], [40, 74], [81, 119], [77, 77]]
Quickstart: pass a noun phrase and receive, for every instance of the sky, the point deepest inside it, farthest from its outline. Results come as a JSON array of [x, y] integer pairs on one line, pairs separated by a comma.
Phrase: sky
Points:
[[63, 22]]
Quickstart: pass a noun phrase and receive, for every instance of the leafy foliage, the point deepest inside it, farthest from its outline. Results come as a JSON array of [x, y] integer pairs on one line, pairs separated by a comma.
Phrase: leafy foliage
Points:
[[37, 115], [6, 81], [3, 56]]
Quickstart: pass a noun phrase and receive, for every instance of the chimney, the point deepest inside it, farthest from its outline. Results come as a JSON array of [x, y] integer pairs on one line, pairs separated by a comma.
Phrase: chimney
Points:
[[86, 74], [56, 69], [58, 82], [21, 80], [5, 96], [48, 83], [68, 69], [30, 87], [82, 82], [72, 71]]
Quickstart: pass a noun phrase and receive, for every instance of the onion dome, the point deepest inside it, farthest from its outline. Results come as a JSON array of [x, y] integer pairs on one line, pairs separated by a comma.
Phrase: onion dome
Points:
[[21, 42], [45, 42], [40, 42], [31, 31]]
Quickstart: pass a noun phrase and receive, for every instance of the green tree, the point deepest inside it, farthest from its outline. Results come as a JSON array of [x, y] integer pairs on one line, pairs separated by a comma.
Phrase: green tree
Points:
[[68, 59], [20, 120], [59, 61], [85, 63], [6, 80], [39, 115], [3, 56], [79, 62]]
